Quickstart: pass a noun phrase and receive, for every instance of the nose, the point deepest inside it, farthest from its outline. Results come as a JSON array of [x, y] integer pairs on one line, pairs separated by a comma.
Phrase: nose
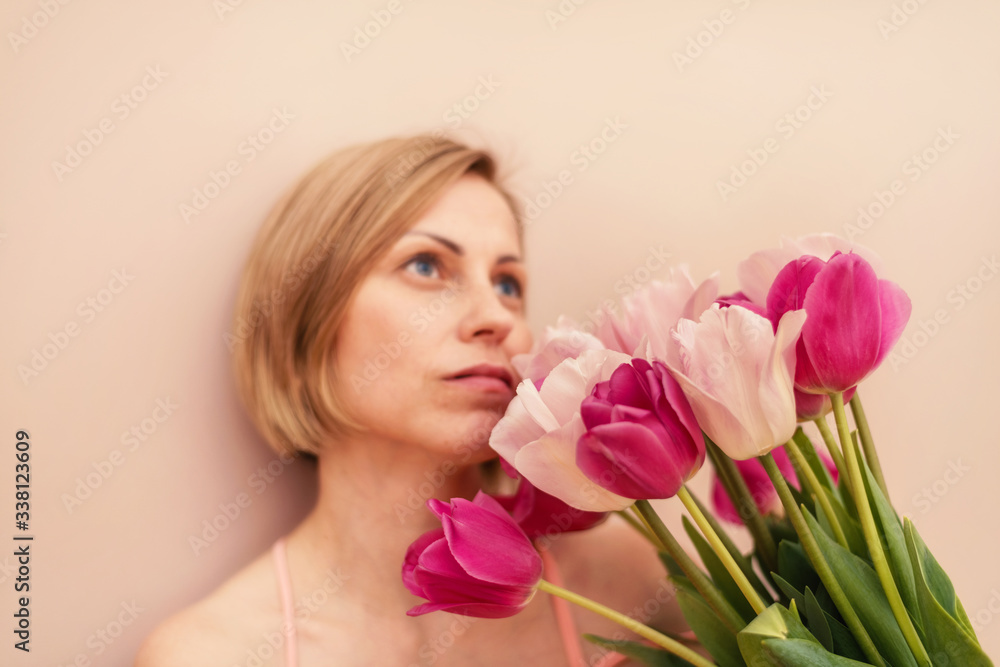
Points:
[[485, 318]]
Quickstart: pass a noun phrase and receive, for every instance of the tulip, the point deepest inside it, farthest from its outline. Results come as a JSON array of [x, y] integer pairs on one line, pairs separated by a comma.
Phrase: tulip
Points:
[[541, 515], [854, 319], [653, 310], [737, 373], [759, 485], [757, 272], [539, 432], [479, 563], [642, 438], [566, 340]]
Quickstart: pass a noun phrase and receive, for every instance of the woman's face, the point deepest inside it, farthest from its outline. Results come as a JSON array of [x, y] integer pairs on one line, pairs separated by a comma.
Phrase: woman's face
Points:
[[423, 355]]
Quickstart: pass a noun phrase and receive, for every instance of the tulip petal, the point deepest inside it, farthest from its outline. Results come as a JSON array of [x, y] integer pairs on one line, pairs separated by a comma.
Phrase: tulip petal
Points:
[[777, 388], [550, 464], [788, 292], [896, 308], [413, 553], [488, 545], [641, 467], [843, 332]]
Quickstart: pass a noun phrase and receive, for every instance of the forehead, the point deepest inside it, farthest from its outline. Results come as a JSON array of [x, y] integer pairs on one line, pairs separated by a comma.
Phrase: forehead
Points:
[[471, 211]]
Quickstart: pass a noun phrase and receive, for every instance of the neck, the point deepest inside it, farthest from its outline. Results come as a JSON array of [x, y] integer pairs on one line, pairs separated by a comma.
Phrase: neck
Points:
[[371, 507]]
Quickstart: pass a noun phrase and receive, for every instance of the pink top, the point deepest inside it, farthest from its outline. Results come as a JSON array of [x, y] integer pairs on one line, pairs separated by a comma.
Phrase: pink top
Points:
[[567, 629]]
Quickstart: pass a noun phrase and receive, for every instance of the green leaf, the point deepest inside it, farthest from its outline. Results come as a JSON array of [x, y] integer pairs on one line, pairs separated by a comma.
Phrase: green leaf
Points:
[[891, 532], [710, 630], [816, 621], [777, 637], [863, 589], [809, 452], [799, 652], [648, 655], [794, 566], [718, 572], [844, 643], [852, 529], [946, 638]]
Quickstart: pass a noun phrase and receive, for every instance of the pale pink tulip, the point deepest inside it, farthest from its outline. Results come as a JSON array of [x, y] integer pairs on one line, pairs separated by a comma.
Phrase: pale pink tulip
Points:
[[653, 310], [566, 340], [757, 272], [539, 432], [738, 372]]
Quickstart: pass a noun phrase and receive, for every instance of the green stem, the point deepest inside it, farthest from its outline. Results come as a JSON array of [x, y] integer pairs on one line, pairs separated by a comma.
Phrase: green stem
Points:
[[741, 560], [871, 456], [808, 477], [644, 631], [812, 549], [745, 505], [713, 597], [833, 449], [872, 538], [640, 527], [720, 550]]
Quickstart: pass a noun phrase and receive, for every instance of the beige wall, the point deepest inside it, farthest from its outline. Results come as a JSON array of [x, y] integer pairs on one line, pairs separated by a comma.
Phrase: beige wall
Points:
[[158, 335]]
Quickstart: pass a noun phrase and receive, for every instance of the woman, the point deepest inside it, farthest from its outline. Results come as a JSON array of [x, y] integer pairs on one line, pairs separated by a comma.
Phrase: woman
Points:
[[389, 293]]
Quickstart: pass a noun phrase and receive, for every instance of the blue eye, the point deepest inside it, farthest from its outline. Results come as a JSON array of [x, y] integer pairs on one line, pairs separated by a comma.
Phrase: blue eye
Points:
[[424, 265], [509, 286]]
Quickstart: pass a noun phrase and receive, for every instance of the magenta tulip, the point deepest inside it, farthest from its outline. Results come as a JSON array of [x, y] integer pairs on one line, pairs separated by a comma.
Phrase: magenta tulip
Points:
[[642, 439], [541, 515], [854, 319], [479, 563], [759, 485]]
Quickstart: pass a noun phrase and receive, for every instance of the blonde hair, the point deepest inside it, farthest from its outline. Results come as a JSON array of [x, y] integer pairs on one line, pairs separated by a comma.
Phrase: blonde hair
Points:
[[311, 254]]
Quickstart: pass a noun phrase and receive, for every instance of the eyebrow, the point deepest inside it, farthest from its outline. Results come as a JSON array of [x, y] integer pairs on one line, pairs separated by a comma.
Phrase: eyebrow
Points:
[[458, 250]]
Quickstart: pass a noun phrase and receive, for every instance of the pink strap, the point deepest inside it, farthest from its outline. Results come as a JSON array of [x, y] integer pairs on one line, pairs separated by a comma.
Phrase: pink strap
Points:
[[287, 605], [567, 629]]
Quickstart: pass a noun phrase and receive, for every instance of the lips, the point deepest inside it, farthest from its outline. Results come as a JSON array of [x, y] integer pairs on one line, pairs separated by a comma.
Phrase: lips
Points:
[[484, 375]]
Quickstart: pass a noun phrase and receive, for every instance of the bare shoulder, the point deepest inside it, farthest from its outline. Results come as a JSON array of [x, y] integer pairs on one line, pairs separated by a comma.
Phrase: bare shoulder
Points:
[[614, 564], [222, 626]]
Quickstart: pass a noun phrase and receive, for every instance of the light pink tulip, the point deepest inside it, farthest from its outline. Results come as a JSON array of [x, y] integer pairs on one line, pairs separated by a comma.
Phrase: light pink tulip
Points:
[[738, 372], [653, 310], [757, 272], [539, 432], [566, 340]]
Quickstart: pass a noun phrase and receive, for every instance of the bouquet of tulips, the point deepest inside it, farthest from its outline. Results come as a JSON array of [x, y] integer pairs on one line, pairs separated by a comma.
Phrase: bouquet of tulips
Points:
[[609, 419]]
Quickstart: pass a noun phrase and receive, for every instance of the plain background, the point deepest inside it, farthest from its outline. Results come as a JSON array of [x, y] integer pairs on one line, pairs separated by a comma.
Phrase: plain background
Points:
[[894, 76]]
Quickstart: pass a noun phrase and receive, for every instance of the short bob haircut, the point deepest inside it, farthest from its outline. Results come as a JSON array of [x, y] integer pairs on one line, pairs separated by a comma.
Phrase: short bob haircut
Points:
[[310, 256]]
